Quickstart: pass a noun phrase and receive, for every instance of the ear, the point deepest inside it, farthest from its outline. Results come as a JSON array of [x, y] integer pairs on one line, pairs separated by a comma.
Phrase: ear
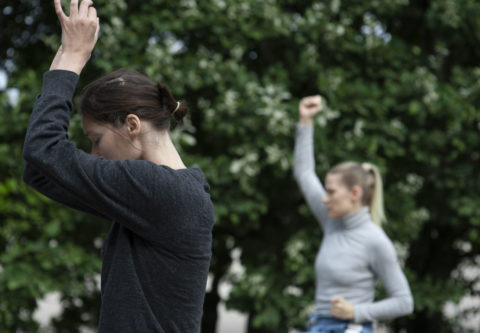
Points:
[[134, 124], [356, 193]]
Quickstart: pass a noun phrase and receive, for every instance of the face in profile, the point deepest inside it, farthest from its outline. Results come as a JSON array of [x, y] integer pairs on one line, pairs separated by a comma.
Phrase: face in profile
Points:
[[108, 141], [339, 199]]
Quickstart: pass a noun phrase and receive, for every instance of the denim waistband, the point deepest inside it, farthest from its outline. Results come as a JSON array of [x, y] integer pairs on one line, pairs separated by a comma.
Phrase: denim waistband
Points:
[[323, 323]]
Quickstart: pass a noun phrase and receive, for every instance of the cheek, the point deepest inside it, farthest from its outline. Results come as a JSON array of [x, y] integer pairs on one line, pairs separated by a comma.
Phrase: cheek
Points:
[[106, 148], [117, 148], [340, 200], [100, 150]]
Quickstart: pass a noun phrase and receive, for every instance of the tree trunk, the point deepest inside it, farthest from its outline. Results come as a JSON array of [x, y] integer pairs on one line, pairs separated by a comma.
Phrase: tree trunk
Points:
[[210, 305]]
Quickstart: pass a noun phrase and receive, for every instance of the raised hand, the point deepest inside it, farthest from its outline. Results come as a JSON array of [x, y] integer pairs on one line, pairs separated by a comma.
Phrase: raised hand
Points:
[[79, 35], [341, 309], [309, 107]]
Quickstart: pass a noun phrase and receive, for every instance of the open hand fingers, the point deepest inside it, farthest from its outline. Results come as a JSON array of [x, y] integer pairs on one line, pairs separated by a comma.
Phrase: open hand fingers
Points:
[[92, 13], [84, 8], [59, 11], [73, 8]]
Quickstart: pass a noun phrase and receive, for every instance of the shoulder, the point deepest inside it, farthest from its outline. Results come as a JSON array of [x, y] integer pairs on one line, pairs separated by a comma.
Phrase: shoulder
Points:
[[378, 241], [162, 172], [155, 177]]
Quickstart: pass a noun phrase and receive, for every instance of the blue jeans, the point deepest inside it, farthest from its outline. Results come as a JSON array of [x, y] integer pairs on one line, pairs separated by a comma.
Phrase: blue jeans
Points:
[[320, 324]]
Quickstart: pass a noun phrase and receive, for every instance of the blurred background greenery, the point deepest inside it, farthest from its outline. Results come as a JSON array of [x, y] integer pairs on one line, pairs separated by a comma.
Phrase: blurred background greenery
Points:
[[401, 80]]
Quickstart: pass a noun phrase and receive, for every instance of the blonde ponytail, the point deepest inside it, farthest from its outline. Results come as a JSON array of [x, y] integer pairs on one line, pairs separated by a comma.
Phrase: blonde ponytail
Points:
[[376, 201]]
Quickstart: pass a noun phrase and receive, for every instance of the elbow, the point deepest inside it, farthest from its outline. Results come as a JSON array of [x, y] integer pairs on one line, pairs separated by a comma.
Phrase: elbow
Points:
[[28, 173], [32, 148], [298, 176], [296, 173], [27, 180], [407, 306], [33, 155], [28, 153], [410, 305]]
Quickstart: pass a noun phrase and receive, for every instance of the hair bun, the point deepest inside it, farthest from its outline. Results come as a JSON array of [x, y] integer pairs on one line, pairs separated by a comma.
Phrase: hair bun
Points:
[[178, 109]]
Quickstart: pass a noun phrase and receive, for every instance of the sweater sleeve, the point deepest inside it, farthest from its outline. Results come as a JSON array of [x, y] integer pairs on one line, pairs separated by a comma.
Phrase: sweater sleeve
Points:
[[304, 172], [45, 186], [400, 301], [117, 190]]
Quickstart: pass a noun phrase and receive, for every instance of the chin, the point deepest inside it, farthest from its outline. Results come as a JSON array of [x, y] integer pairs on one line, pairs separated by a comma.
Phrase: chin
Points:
[[335, 216], [332, 215]]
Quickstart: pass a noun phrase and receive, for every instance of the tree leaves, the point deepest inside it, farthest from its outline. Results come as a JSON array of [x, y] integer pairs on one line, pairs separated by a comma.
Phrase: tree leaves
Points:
[[401, 81]]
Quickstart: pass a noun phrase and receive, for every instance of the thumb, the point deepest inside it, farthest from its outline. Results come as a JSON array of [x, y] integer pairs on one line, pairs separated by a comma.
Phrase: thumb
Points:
[[97, 31]]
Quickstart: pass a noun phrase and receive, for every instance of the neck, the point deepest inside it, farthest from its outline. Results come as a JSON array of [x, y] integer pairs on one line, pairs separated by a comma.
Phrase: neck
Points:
[[356, 218], [355, 209], [160, 150]]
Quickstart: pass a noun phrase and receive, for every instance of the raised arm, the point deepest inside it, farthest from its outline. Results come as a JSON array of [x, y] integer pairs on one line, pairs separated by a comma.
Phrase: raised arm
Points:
[[400, 301], [304, 162], [117, 190], [47, 187], [79, 35]]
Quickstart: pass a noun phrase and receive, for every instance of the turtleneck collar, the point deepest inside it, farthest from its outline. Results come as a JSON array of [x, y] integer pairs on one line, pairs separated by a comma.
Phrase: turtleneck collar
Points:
[[356, 219]]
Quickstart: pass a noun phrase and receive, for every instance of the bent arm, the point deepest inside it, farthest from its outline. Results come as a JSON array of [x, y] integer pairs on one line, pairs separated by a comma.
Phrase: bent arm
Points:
[[400, 300], [304, 172], [117, 190], [47, 187]]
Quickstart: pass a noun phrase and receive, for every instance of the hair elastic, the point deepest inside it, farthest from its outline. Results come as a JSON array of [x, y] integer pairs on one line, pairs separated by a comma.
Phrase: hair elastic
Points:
[[367, 167], [176, 108]]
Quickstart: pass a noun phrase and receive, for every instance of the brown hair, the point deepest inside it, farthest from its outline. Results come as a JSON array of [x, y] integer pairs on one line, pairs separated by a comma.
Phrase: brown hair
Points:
[[111, 98], [367, 176]]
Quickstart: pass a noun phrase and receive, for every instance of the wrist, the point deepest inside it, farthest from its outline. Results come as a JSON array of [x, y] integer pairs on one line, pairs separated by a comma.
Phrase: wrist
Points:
[[71, 62], [306, 120], [352, 313]]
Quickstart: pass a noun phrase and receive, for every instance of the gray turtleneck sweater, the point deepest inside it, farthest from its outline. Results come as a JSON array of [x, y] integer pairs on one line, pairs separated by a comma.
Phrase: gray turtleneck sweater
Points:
[[354, 253]]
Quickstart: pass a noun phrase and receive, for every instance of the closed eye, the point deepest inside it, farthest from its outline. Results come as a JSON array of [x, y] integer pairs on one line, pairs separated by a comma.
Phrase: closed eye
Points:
[[95, 141]]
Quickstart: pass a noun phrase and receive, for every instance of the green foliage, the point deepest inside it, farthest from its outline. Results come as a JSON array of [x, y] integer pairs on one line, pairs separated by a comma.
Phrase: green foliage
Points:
[[401, 80], [45, 247]]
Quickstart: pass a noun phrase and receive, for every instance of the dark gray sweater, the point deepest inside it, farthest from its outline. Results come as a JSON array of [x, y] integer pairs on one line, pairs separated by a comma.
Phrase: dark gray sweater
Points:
[[157, 253]]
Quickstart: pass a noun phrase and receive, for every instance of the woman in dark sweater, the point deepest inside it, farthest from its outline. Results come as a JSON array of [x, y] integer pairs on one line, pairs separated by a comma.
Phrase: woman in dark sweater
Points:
[[157, 253]]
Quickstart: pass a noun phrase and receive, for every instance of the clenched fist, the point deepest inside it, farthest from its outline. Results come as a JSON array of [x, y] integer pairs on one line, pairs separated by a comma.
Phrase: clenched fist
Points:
[[341, 309], [309, 107]]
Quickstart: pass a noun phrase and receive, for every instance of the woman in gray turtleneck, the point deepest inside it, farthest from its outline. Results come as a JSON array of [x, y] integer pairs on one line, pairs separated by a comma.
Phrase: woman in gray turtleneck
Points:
[[355, 252]]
